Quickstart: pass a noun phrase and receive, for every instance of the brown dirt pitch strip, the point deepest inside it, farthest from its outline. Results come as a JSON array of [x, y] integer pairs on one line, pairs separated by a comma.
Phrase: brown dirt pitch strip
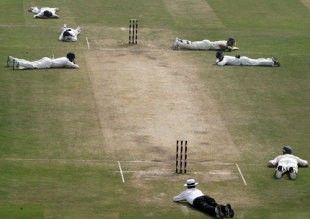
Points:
[[147, 99]]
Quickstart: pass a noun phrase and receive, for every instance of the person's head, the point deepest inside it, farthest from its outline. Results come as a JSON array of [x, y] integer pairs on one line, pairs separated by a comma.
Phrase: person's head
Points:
[[71, 56], [219, 55], [47, 14], [67, 34], [191, 183], [287, 149], [34, 9], [231, 41]]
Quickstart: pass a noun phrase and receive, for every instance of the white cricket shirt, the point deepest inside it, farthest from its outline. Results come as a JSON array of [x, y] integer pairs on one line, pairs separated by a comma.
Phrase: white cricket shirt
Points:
[[188, 195]]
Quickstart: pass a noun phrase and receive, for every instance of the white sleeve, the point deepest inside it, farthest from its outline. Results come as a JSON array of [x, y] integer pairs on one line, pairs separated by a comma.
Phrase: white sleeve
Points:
[[234, 48], [221, 63], [61, 35], [301, 162], [275, 161], [40, 14], [180, 197], [71, 65]]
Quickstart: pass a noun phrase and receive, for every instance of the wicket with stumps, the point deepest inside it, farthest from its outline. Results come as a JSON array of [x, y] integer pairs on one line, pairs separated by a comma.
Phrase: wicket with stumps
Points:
[[133, 31], [181, 156]]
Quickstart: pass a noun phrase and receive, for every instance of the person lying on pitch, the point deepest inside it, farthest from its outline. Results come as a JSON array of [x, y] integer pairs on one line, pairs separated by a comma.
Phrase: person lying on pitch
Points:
[[224, 45], [44, 12], [45, 62], [238, 60]]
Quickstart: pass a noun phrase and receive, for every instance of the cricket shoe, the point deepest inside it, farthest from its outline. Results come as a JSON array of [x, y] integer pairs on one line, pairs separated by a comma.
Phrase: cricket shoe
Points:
[[15, 65], [278, 174], [292, 174], [276, 63], [228, 211], [175, 45], [10, 61], [218, 212]]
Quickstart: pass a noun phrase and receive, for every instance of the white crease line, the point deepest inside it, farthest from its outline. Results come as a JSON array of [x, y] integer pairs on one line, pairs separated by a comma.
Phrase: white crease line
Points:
[[149, 171], [121, 171], [52, 159], [87, 43], [19, 25], [142, 161], [131, 49], [241, 175], [128, 171]]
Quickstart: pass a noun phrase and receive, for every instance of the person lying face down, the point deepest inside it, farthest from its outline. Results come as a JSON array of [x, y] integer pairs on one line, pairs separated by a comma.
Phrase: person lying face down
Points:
[[287, 163], [224, 45], [204, 203], [69, 34], [222, 60], [44, 12], [45, 62]]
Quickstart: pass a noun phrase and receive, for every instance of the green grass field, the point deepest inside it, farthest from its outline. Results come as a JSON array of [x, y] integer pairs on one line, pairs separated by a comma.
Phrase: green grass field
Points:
[[53, 161]]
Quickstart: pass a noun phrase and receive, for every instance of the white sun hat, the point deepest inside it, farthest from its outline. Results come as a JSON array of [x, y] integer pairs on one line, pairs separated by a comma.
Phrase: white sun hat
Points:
[[191, 182]]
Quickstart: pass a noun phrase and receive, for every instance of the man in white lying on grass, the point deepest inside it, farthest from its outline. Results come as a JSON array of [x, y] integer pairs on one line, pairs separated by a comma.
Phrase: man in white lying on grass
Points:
[[197, 199], [222, 60], [69, 34], [225, 45], [45, 62], [287, 163], [44, 12]]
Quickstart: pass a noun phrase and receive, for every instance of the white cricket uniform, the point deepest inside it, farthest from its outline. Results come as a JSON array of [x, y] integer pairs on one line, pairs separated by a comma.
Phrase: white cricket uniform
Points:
[[188, 195], [39, 12], [243, 60], [73, 32], [201, 45], [287, 161], [45, 62]]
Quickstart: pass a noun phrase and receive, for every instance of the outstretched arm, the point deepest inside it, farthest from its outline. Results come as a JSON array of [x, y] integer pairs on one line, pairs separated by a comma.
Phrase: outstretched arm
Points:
[[71, 65], [234, 48], [301, 162], [220, 62], [231, 48], [180, 197], [269, 164], [75, 66], [274, 162], [61, 35]]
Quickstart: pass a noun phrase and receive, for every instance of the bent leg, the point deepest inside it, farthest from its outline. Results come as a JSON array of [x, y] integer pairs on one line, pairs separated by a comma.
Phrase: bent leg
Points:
[[196, 45], [279, 172], [183, 44], [292, 173], [210, 201], [23, 63], [202, 204]]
